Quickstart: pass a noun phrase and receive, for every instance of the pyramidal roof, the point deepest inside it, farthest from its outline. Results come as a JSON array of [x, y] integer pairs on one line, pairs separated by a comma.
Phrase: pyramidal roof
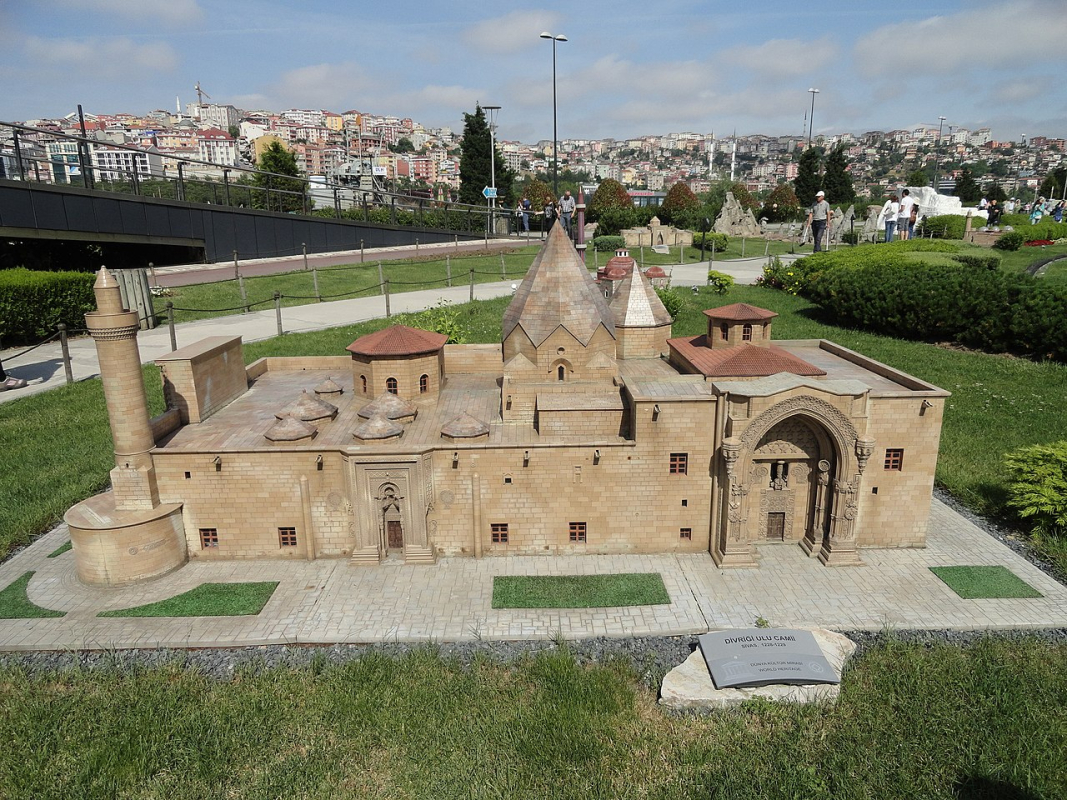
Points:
[[558, 291], [636, 304], [740, 312]]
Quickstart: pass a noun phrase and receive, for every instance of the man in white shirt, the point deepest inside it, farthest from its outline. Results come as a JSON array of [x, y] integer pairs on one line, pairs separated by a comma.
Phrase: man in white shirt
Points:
[[566, 210], [818, 216], [904, 215]]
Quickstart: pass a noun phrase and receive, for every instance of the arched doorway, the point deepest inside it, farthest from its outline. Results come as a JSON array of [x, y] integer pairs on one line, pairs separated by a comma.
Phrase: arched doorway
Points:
[[391, 528]]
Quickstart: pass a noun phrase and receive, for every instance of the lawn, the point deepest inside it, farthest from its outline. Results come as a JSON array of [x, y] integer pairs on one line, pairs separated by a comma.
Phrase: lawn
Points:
[[936, 722], [579, 591], [15, 604], [977, 583], [206, 600]]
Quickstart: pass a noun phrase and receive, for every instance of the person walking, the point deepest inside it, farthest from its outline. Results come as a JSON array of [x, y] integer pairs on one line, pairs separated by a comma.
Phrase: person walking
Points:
[[890, 211], [524, 209], [818, 217], [566, 211], [904, 215], [550, 215], [9, 383]]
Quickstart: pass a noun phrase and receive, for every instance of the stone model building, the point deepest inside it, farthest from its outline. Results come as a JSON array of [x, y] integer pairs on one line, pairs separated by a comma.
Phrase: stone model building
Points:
[[588, 429]]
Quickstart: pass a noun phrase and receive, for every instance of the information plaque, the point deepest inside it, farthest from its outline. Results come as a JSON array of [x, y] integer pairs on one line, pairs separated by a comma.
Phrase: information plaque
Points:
[[761, 656]]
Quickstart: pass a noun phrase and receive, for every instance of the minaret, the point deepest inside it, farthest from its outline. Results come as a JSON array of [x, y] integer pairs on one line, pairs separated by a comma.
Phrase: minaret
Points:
[[114, 329]]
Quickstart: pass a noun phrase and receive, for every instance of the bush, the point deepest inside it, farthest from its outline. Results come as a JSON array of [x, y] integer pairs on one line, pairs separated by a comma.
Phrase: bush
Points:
[[613, 220], [720, 241], [443, 318], [850, 237], [1012, 240], [1047, 228], [978, 260], [608, 244], [946, 226], [33, 303], [671, 301], [720, 281], [1038, 489]]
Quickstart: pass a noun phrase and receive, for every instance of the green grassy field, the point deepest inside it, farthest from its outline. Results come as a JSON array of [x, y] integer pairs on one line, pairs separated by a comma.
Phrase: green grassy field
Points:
[[913, 722], [206, 600], [15, 604], [579, 591]]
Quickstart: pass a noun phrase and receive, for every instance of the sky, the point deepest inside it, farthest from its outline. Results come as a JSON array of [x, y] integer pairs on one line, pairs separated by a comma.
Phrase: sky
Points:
[[628, 67]]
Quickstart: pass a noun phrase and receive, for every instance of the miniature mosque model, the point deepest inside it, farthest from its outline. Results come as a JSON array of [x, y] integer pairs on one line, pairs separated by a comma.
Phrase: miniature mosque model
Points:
[[588, 429]]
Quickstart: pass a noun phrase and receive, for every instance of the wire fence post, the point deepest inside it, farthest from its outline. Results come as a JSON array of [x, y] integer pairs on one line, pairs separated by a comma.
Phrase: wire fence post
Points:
[[170, 325], [304, 248], [503, 269], [455, 237], [712, 251], [742, 247], [381, 279], [416, 248], [360, 251], [388, 311], [681, 258], [315, 280], [448, 270], [278, 311], [472, 285], [66, 352], [767, 248]]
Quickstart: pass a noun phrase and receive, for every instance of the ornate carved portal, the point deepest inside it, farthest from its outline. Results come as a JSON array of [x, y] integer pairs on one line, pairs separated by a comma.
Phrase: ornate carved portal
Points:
[[797, 467], [392, 503]]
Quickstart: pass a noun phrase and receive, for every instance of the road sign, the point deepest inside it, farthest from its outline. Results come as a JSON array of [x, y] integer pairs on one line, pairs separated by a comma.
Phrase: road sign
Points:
[[489, 192]]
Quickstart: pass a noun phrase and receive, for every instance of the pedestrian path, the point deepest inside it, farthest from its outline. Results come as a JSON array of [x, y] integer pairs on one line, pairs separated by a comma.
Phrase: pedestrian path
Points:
[[43, 368], [330, 601]]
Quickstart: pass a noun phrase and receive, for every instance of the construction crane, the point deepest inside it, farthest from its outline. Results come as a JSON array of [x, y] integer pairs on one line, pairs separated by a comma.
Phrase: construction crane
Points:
[[200, 95]]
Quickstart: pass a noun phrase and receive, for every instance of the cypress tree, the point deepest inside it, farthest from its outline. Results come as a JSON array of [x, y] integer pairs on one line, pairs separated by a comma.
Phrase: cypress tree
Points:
[[837, 183], [474, 163], [808, 180]]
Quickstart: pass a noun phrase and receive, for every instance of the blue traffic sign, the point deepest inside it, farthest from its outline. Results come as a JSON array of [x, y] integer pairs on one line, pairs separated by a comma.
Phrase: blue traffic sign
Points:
[[489, 192]]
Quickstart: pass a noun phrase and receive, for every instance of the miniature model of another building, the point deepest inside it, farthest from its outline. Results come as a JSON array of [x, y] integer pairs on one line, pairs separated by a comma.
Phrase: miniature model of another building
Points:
[[588, 429]]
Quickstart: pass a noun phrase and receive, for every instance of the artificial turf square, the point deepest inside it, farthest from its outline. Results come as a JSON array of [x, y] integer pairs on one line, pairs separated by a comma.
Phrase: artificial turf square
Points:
[[579, 591], [981, 583]]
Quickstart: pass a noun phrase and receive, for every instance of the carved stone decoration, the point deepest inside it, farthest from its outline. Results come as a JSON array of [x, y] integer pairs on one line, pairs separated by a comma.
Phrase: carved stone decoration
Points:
[[839, 426], [731, 449], [864, 448], [798, 473], [791, 436]]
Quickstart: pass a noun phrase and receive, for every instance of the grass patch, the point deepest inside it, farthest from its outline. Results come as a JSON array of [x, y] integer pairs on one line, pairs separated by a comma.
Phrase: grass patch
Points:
[[579, 591], [15, 604], [61, 549], [912, 722], [978, 583], [206, 600]]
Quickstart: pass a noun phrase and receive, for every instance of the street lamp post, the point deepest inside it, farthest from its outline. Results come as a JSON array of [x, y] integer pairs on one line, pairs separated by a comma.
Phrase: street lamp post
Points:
[[937, 155], [490, 112], [811, 119], [555, 136]]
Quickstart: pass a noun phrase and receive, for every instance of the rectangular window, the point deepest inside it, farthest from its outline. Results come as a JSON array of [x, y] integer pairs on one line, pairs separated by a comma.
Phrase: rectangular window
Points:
[[894, 459], [209, 537], [287, 537], [685, 533], [500, 532], [679, 463], [577, 531]]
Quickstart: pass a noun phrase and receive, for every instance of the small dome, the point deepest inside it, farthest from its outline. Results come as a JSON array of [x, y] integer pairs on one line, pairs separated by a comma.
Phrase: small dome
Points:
[[655, 272], [308, 409], [465, 426], [290, 429], [390, 406], [378, 428], [329, 386]]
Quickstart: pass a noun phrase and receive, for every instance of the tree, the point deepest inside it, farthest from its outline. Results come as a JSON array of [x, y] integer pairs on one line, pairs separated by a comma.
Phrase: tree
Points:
[[781, 204], [837, 183], [967, 188], [1054, 182], [403, 146], [610, 194], [919, 178], [538, 193], [994, 191], [808, 181], [743, 196], [474, 163], [281, 193], [679, 198]]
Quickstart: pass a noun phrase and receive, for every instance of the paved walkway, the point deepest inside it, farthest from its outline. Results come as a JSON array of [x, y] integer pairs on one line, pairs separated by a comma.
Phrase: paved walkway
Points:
[[43, 368], [330, 601]]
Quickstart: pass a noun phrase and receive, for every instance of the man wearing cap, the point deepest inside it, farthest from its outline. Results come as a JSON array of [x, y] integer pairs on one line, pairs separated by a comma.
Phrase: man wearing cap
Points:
[[818, 215]]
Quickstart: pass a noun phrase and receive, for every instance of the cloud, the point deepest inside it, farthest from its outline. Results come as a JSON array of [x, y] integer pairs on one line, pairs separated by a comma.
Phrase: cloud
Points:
[[174, 12], [512, 32], [782, 58], [1016, 91], [981, 37], [324, 86], [101, 57]]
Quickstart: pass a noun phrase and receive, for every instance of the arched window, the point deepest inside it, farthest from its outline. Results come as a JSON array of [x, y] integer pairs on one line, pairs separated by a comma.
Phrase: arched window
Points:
[[746, 333], [724, 332], [424, 384], [561, 373], [390, 385], [363, 383]]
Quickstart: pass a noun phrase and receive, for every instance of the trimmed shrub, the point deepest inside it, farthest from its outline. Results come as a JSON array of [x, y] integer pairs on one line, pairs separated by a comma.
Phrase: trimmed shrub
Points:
[[671, 301], [33, 303], [719, 240], [1012, 240], [608, 244], [978, 260], [1047, 228], [946, 226], [613, 220], [1038, 489], [720, 281]]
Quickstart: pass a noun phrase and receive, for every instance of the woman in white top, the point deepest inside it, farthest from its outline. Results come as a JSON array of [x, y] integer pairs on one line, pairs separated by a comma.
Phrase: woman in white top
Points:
[[890, 211]]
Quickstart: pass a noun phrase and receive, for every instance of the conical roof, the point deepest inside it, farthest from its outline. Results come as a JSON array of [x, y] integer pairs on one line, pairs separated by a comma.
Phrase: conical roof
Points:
[[309, 408], [329, 386], [558, 291], [290, 429], [635, 303], [465, 426], [390, 406], [740, 312], [378, 427], [398, 340]]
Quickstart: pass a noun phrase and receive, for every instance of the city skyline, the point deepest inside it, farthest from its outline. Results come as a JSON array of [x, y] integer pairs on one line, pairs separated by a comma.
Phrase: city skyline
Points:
[[622, 74]]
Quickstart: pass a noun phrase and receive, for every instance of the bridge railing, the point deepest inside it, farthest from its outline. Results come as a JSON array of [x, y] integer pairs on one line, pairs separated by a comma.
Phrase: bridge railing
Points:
[[51, 157]]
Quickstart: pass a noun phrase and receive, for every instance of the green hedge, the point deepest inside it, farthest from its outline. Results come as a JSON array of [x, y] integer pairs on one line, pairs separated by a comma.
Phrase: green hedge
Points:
[[947, 226], [33, 303], [989, 310], [720, 240], [979, 260], [608, 244]]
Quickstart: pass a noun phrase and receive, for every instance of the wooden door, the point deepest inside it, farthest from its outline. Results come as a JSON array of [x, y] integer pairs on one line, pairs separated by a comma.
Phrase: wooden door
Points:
[[776, 526], [394, 534]]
